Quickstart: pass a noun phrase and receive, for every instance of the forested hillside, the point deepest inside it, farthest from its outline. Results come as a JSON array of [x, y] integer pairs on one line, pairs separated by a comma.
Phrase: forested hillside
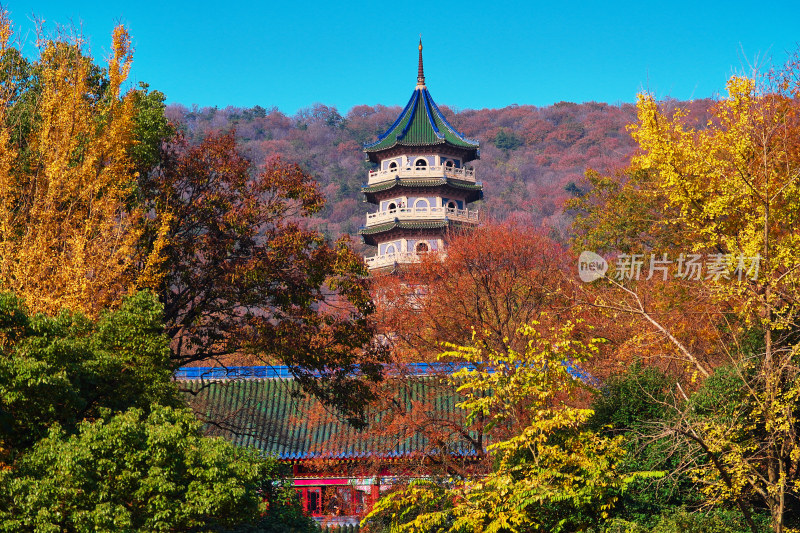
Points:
[[532, 159]]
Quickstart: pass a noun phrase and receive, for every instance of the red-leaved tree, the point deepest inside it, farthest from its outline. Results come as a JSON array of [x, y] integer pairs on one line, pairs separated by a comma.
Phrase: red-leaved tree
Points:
[[247, 280]]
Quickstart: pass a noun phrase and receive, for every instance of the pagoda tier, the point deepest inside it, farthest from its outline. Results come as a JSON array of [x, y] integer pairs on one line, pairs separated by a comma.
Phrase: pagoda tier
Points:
[[443, 186], [396, 229], [422, 186]]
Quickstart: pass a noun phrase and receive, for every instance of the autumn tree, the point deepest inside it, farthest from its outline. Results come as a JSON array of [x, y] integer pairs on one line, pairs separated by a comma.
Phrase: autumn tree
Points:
[[622, 213], [491, 281], [246, 279], [68, 234], [552, 474], [729, 189]]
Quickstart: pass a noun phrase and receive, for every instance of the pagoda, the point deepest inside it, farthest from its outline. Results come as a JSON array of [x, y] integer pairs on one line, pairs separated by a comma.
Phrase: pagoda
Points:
[[421, 185]]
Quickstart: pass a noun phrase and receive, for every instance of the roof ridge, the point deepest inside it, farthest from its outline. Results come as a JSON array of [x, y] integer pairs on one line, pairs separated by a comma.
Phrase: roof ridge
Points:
[[410, 122], [394, 125]]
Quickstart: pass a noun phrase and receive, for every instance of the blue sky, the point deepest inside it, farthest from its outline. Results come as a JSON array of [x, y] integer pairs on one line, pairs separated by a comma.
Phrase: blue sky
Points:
[[477, 53]]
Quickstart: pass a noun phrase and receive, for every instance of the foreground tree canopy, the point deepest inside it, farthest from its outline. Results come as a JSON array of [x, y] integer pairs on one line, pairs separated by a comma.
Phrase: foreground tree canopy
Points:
[[132, 472], [728, 191], [100, 196], [551, 472], [94, 435]]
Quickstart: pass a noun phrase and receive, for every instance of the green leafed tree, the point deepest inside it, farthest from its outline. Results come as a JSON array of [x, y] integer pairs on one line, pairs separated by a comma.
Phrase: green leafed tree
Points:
[[64, 369], [507, 140], [94, 435], [138, 472]]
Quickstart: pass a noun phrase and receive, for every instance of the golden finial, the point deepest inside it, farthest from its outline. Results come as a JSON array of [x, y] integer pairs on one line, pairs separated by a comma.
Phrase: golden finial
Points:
[[420, 70]]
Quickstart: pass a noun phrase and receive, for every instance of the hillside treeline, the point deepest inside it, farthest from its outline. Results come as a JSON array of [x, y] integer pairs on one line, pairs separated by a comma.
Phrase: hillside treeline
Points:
[[532, 158]]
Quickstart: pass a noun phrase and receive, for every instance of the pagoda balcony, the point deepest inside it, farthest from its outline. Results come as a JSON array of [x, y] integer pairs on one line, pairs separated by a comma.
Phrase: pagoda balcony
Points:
[[379, 176], [423, 213], [379, 261]]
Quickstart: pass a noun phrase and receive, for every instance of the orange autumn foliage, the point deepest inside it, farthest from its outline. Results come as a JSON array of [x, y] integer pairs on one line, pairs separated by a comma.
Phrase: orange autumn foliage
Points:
[[492, 280]]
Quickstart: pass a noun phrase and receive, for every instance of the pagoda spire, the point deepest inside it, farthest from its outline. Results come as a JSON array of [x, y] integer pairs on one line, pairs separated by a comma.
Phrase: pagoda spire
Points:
[[420, 70]]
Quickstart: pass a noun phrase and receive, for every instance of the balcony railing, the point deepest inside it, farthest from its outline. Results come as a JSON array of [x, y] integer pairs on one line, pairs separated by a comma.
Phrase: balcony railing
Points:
[[379, 176], [422, 213], [377, 261]]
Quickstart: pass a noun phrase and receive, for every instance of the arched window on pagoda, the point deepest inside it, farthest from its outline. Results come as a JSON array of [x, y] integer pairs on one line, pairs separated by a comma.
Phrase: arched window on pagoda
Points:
[[422, 247], [393, 166], [421, 164]]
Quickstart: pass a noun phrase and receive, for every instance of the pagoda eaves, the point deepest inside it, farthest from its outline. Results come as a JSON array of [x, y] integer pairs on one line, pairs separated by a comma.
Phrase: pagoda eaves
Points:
[[422, 124]]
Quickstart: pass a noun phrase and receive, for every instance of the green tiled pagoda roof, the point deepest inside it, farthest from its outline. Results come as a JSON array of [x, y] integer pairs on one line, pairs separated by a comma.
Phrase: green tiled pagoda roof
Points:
[[422, 182], [386, 226], [367, 233], [421, 123], [271, 415], [474, 190]]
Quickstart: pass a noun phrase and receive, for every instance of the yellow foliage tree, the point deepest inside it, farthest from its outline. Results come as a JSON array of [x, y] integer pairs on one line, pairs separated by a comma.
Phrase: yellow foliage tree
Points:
[[552, 473], [728, 188], [67, 233], [735, 186]]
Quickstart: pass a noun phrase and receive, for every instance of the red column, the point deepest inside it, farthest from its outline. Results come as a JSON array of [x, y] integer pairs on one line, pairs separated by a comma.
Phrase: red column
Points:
[[375, 493]]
